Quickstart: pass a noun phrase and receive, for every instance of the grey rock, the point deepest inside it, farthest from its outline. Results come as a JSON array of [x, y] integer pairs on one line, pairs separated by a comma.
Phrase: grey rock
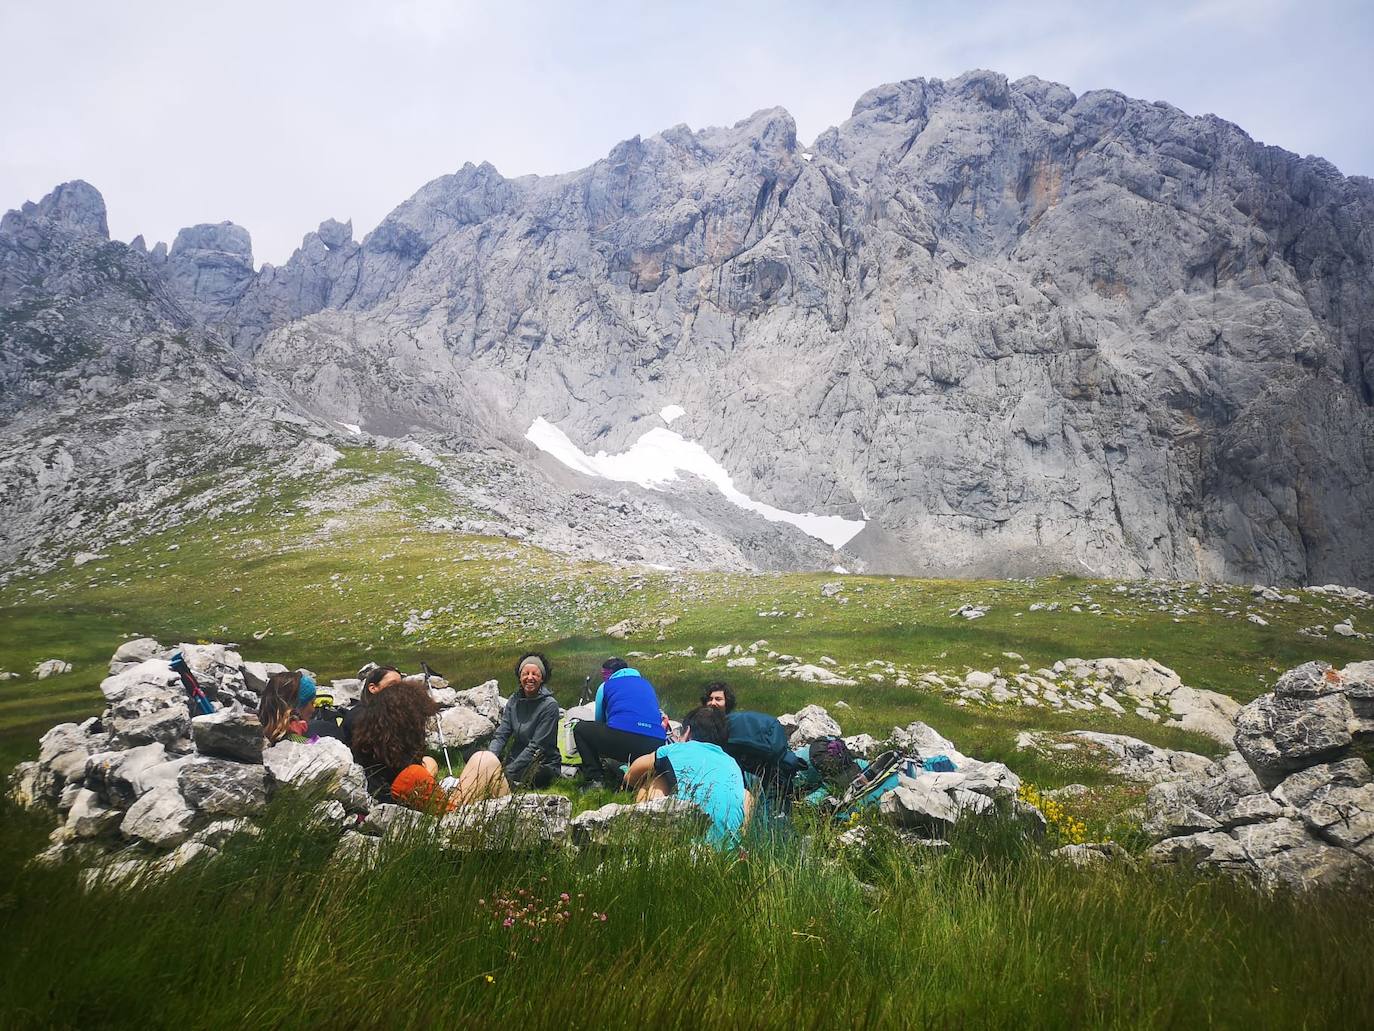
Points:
[[1285, 853], [600, 826], [51, 668], [1281, 733], [133, 653], [515, 822], [88, 818], [462, 726], [1152, 683], [1092, 854], [1206, 848], [229, 735], [117, 776], [160, 817], [170, 727], [218, 833], [1127, 757], [921, 739], [75, 206], [357, 850], [211, 265], [28, 786], [1344, 815], [1298, 789], [1171, 810], [64, 750], [221, 787], [864, 745], [813, 723], [325, 767]]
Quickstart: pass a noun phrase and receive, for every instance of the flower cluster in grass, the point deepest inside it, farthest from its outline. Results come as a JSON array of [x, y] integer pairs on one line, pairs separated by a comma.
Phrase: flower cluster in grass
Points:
[[1061, 824], [524, 911]]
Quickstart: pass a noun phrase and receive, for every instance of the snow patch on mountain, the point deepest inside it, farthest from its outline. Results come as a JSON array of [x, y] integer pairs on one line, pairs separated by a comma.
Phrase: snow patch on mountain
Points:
[[657, 458]]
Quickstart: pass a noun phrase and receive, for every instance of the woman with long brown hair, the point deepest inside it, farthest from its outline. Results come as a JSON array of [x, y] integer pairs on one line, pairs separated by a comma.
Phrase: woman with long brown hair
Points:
[[386, 732], [286, 705]]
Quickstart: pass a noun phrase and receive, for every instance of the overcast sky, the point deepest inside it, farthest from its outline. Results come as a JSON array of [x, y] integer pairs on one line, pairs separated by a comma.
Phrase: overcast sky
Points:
[[278, 115]]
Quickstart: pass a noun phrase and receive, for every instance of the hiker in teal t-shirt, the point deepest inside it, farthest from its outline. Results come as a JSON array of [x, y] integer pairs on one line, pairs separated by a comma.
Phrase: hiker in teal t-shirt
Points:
[[696, 768]]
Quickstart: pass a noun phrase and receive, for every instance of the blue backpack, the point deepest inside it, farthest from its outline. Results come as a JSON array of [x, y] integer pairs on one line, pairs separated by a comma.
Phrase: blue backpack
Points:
[[759, 744]]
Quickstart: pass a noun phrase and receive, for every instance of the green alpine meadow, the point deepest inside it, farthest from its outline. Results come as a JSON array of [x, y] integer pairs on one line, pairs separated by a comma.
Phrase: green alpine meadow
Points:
[[703, 516], [805, 927]]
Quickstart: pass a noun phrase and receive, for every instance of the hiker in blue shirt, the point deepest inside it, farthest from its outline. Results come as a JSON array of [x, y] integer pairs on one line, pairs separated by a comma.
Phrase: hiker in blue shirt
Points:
[[627, 722], [696, 768]]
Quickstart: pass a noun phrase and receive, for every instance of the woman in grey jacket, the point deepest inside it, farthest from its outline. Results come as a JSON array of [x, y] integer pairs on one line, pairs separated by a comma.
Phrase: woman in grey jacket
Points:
[[528, 732]]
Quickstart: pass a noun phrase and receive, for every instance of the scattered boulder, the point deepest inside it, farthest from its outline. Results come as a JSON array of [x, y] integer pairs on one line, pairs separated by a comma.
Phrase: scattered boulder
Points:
[[863, 745], [51, 668], [229, 735], [1127, 757], [921, 739], [222, 787], [812, 724], [1292, 806], [1154, 685], [810, 674], [638, 626]]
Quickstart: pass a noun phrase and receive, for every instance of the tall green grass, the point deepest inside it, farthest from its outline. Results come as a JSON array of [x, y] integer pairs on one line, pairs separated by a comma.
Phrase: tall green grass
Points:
[[796, 934]]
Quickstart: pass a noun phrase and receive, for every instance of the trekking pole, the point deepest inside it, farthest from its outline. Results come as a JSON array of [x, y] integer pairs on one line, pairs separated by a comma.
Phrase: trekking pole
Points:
[[438, 721]]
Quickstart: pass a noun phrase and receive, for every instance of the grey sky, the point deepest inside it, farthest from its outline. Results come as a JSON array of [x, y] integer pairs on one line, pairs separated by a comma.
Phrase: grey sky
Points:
[[277, 115]]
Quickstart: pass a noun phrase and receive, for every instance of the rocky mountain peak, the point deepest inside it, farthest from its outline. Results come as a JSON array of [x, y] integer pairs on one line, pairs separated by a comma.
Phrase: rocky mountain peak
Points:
[[76, 206], [211, 265]]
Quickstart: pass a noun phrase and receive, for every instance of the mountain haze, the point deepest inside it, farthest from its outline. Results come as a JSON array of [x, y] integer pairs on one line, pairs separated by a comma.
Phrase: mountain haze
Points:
[[1012, 329]]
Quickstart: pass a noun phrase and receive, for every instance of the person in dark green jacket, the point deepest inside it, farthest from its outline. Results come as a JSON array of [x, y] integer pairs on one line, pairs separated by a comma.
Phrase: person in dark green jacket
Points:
[[527, 737]]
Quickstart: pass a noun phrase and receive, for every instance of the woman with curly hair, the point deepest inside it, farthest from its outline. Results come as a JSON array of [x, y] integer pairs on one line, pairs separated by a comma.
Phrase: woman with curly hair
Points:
[[386, 732]]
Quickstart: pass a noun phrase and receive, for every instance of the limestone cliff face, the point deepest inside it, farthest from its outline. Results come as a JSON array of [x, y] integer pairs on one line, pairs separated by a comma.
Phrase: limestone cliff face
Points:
[[122, 415], [1023, 330]]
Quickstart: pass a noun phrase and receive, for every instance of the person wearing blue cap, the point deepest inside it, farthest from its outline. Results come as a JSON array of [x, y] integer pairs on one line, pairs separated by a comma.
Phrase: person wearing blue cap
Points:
[[286, 705]]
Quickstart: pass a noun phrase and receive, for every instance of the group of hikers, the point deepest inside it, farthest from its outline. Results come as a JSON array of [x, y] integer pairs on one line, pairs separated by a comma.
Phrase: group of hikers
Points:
[[621, 738]]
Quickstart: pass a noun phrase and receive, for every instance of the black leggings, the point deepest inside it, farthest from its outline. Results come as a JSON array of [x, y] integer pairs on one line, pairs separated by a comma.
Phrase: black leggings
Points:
[[597, 743]]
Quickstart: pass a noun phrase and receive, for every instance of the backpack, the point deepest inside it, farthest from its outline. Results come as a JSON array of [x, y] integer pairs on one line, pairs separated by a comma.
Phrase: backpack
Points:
[[567, 744], [882, 775], [835, 764], [755, 739], [759, 744]]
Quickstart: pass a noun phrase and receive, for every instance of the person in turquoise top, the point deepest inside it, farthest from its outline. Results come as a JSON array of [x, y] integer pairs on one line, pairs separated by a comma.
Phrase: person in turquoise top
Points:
[[696, 768]]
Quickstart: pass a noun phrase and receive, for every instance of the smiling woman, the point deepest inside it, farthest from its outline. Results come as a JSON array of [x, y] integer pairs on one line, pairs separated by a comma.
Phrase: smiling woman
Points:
[[528, 734]]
